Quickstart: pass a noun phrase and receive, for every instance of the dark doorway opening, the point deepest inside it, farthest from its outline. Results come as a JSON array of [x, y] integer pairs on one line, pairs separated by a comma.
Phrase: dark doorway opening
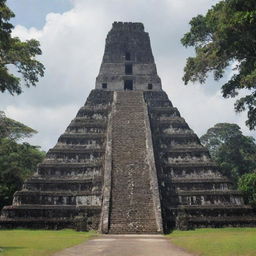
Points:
[[128, 69], [127, 56], [150, 86], [128, 85]]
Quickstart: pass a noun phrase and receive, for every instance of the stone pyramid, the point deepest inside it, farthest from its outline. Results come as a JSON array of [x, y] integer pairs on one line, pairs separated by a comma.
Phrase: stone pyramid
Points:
[[128, 162]]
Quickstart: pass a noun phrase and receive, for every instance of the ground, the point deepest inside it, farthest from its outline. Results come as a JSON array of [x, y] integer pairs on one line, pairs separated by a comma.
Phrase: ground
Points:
[[125, 245], [217, 242], [38, 242], [200, 242]]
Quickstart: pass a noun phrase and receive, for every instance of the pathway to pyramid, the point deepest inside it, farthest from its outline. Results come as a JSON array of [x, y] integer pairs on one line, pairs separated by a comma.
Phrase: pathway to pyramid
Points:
[[128, 162]]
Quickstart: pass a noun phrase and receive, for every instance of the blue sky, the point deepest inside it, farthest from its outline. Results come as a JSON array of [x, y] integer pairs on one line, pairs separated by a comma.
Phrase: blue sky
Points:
[[72, 36], [32, 13]]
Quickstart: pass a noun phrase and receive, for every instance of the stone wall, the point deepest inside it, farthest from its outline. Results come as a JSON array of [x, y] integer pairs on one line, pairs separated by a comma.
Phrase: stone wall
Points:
[[128, 39]]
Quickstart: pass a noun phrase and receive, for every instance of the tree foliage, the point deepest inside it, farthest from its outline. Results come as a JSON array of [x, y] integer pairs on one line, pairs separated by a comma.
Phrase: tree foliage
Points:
[[234, 152], [218, 135], [17, 161], [247, 184], [21, 55], [12, 129], [237, 156], [224, 37]]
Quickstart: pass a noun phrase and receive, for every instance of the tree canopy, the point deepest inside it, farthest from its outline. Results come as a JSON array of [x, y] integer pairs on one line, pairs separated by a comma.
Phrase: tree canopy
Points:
[[18, 54], [219, 134], [237, 156], [247, 184], [18, 161], [234, 152], [226, 37], [12, 129]]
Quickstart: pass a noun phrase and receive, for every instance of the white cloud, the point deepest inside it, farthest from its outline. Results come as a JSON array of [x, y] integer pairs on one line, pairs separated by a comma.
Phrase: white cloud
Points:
[[73, 45]]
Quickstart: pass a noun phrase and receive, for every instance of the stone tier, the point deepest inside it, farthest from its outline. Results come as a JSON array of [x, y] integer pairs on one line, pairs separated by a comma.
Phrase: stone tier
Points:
[[195, 216], [90, 198], [78, 184], [77, 155], [213, 183], [70, 170], [49, 216], [177, 139], [85, 126]]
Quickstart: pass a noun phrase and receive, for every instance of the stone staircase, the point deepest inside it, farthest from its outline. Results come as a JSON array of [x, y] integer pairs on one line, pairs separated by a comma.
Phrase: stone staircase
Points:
[[132, 206]]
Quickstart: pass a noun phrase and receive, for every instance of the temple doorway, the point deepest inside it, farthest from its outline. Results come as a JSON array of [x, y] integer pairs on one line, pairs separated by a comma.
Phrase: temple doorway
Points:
[[128, 85]]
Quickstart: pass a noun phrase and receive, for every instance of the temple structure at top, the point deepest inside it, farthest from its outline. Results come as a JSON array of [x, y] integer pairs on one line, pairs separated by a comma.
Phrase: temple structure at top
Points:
[[128, 62]]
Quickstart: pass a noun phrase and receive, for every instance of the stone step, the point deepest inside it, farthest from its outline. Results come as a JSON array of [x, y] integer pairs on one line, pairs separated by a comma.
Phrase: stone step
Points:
[[37, 223], [199, 184], [78, 122], [172, 120], [63, 184], [207, 192], [64, 161], [78, 155], [61, 212], [132, 206], [181, 165], [185, 149], [49, 170], [82, 139], [200, 181], [57, 198]]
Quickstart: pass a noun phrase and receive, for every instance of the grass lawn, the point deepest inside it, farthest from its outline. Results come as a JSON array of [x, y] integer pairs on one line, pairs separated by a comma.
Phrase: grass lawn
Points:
[[21, 242], [217, 242]]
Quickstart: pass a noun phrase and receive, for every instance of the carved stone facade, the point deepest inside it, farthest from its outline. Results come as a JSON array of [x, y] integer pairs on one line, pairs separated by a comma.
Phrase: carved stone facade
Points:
[[128, 162], [128, 62]]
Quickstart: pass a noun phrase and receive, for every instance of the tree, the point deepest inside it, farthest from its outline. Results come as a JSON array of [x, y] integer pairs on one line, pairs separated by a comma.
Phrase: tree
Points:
[[17, 161], [237, 156], [21, 55], [247, 184], [226, 37], [12, 129], [218, 135], [234, 153]]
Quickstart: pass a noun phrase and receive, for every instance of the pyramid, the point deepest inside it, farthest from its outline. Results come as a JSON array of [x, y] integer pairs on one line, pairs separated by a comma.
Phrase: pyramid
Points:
[[128, 162]]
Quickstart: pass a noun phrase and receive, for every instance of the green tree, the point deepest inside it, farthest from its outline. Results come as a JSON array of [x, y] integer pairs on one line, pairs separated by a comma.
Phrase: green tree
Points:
[[224, 37], [218, 135], [21, 55], [12, 129], [18, 161], [237, 156], [234, 153], [247, 184]]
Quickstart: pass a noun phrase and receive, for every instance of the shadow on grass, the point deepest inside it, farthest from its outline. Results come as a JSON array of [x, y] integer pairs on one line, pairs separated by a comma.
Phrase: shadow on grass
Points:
[[10, 248]]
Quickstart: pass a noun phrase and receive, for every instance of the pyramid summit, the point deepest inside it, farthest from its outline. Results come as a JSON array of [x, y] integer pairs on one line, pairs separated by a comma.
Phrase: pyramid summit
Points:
[[128, 162], [128, 62]]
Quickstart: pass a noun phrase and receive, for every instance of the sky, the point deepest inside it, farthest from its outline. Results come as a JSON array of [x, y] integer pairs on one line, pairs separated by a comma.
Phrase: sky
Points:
[[72, 36]]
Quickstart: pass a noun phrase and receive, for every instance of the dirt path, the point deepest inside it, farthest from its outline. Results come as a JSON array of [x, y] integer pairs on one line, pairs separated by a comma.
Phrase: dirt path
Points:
[[125, 245]]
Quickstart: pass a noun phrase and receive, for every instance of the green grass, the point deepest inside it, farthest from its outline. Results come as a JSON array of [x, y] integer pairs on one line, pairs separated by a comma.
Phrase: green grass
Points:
[[21, 242], [217, 242]]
